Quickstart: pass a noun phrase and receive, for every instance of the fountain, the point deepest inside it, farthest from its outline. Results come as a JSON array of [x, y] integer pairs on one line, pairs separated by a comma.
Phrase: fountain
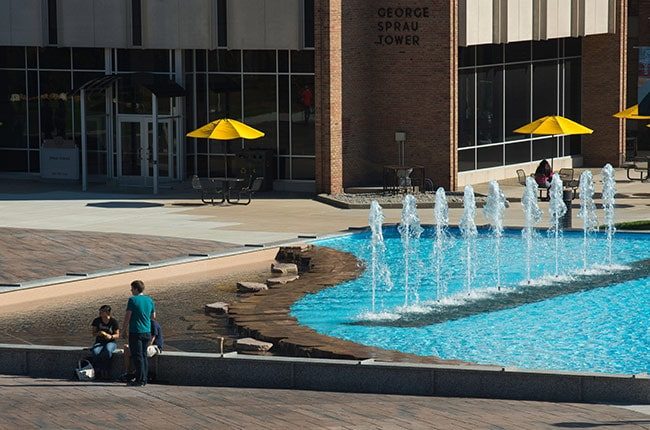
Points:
[[441, 214], [469, 232], [532, 214], [609, 193], [493, 210], [587, 213], [520, 324], [378, 267], [409, 230], [556, 210]]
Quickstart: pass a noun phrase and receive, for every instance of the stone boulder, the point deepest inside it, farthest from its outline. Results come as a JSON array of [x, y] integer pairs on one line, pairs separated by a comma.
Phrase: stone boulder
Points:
[[248, 344], [281, 280], [284, 268], [217, 308], [251, 287]]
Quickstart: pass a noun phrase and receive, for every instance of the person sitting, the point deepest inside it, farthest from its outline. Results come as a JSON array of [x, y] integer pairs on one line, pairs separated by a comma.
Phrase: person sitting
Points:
[[155, 347], [544, 174], [106, 330]]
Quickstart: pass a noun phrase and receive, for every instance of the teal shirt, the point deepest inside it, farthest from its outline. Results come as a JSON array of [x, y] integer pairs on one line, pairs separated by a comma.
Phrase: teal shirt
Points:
[[141, 308]]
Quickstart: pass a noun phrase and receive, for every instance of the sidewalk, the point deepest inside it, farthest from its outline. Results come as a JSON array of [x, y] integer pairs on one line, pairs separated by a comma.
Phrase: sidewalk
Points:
[[50, 404]]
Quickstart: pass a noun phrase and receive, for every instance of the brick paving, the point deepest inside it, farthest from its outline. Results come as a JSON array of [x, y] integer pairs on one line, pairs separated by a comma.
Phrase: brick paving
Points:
[[30, 254], [54, 404]]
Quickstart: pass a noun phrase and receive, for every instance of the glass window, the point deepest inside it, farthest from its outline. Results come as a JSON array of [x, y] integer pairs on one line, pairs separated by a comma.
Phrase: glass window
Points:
[[518, 152], [517, 99], [303, 128], [466, 160], [489, 104], [202, 166], [283, 113], [200, 58], [466, 118], [188, 61], [491, 156], [224, 96], [545, 148], [303, 168], [13, 109], [284, 171], [259, 61], [572, 88], [466, 56], [143, 60], [189, 102], [189, 162], [489, 54], [32, 53], [260, 109], [518, 51], [283, 61], [201, 102], [302, 61], [95, 115], [13, 160], [572, 46], [217, 166], [32, 109], [34, 161], [222, 23], [56, 106], [12, 57], [545, 89], [54, 58], [545, 49], [88, 58], [309, 23], [222, 60]]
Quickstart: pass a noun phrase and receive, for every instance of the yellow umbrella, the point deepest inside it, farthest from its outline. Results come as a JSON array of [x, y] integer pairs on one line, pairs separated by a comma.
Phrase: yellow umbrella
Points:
[[226, 129], [553, 125], [630, 113]]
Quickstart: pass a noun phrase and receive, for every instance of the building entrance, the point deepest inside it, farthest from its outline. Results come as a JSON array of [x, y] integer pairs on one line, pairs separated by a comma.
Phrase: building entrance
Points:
[[135, 150]]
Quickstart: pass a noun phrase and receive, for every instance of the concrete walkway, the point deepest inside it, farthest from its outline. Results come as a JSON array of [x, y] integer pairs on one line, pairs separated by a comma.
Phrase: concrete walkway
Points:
[[54, 404], [269, 218]]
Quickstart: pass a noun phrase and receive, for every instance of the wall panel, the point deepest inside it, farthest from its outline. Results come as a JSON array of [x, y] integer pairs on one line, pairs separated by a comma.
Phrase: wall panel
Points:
[[112, 23], [27, 23], [160, 23], [76, 23], [475, 22], [195, 24]]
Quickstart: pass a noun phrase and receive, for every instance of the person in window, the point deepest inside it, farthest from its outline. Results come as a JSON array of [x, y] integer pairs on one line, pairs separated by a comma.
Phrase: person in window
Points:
[[306, 99], [106, 330], [544, 174]]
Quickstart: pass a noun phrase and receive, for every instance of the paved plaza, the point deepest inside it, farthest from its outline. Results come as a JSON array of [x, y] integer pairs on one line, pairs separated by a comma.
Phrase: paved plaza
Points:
[[50, 404], [58, 229]]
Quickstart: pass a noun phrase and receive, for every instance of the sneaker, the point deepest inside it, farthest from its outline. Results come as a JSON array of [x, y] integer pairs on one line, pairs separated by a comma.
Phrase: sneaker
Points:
[[136, 384], [127, 377]]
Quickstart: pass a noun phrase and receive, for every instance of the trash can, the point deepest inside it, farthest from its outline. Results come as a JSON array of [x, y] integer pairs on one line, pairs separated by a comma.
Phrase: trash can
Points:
[[567, 197]]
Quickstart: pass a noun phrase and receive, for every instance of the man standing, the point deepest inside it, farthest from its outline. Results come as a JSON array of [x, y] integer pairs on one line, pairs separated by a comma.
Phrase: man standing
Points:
[[140, 310]]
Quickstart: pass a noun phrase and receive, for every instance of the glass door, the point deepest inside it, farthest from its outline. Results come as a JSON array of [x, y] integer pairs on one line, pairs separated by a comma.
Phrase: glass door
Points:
[[135, 137]]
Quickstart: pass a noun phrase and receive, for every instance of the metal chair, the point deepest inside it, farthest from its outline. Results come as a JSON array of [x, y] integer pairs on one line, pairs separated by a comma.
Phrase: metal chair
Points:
[[568, 181], [209, 189], [521, 177], [246, 191]]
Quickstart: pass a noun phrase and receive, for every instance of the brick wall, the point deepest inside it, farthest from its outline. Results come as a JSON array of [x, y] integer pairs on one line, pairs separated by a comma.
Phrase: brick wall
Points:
[[604, 79], [392, 73]]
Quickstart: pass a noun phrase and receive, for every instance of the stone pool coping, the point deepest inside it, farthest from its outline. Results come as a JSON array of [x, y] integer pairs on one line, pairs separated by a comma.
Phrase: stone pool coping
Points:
[[359, 376]]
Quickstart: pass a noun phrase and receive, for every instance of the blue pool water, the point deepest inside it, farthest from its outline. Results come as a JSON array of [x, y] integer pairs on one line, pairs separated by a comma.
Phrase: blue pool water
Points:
[[602, 329]]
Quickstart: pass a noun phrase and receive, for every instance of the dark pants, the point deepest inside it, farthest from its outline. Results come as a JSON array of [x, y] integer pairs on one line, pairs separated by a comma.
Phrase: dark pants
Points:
[[138, 343]]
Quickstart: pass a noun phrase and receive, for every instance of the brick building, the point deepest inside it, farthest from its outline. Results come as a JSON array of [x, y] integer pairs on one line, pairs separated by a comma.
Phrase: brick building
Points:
[[332, 83]]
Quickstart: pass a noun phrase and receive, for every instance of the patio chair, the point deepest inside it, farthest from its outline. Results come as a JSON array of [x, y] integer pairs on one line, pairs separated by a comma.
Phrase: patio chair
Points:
[[404, 178], [521, 177], [246, 191], [638, 167], [209, 189], [568, 181]]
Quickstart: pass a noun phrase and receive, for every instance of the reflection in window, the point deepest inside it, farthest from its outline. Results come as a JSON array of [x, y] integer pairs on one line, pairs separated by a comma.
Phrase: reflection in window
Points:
[[545, 89], [517, 99], [302, 115], [56, 107], [13, 109], [259, 61], [466, 108], [260, 109], [489, 104]]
